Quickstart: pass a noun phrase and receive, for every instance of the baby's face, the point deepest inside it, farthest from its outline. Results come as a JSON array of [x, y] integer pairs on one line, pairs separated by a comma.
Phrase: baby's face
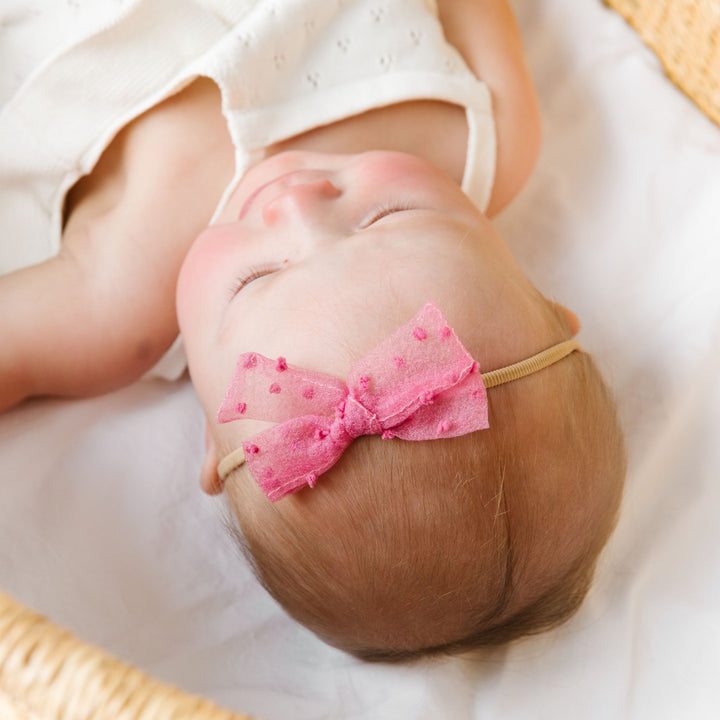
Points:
[[318, 257]]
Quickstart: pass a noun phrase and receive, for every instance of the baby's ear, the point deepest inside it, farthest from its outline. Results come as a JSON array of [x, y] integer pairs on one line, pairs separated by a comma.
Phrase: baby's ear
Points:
[[209, 479], [572, 319]]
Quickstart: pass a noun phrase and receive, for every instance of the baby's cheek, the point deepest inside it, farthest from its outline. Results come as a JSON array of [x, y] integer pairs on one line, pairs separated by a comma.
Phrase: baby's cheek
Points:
[[195, 309], [203, 273], [211, 250]]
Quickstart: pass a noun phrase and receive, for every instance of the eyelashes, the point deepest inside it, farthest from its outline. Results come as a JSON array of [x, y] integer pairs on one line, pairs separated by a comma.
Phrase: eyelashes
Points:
[[253, 273], [384, 211]]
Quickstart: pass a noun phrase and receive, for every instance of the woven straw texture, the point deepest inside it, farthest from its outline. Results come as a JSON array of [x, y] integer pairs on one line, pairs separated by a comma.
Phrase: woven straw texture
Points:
[[685, 35], [46, 674]]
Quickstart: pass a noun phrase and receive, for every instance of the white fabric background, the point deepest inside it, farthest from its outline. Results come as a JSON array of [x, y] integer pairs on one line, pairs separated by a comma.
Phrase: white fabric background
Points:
[[104, 529]]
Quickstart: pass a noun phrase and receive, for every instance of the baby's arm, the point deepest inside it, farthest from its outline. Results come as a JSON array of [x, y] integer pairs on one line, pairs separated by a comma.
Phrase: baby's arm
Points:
[[78, 325], [43, 315], [487, 36], [17, 336], [102, 313]]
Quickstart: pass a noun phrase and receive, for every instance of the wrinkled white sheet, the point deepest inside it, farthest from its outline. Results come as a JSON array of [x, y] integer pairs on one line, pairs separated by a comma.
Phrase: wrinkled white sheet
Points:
[[104, 529]]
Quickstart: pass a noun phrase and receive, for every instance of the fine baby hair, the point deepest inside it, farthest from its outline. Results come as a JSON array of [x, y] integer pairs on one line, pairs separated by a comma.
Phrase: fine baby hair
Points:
[[455, 540]]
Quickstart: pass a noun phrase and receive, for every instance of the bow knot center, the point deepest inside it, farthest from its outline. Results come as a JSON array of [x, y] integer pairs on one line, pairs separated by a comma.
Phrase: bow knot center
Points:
[[356, 420]]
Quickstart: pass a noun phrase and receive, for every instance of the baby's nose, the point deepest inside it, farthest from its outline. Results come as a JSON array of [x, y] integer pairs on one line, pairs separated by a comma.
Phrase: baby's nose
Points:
[[304, 200]]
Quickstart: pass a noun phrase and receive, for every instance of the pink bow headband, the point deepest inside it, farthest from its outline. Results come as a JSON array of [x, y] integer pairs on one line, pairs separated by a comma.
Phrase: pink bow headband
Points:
[[420, 383]]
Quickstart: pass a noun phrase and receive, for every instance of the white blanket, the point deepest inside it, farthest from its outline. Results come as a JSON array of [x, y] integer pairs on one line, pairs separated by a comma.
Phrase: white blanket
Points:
[[103, 526]]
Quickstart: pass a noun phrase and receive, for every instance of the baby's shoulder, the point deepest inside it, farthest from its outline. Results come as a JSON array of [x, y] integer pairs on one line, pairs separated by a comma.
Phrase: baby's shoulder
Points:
[[177, 154]]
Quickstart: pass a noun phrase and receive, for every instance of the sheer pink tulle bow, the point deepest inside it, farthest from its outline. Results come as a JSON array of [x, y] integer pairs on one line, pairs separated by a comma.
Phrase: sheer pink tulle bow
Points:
[[420, 383]]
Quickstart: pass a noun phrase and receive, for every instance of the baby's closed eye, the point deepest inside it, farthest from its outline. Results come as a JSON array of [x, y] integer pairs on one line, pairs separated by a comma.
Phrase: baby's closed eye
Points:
[[383, 211], [253, 273]]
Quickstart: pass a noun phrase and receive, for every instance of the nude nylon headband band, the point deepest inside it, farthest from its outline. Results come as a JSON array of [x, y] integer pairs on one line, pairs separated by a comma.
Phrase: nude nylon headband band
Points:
[[507, 374], [530, 365]]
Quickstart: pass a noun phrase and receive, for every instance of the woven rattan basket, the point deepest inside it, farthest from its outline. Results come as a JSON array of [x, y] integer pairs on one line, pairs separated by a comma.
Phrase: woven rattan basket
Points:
[[685, 35], [46, 674]]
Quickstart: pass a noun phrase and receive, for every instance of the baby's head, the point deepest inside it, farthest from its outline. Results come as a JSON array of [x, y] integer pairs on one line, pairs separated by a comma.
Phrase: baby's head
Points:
[[403, 547]]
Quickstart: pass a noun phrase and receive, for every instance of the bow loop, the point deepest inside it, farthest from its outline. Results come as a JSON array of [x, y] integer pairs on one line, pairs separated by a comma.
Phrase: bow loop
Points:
[[272, 390], [410, 367], [289, 456]]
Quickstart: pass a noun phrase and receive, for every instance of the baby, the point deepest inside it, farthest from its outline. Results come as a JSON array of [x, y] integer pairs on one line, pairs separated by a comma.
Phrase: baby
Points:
[[347, 229]]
